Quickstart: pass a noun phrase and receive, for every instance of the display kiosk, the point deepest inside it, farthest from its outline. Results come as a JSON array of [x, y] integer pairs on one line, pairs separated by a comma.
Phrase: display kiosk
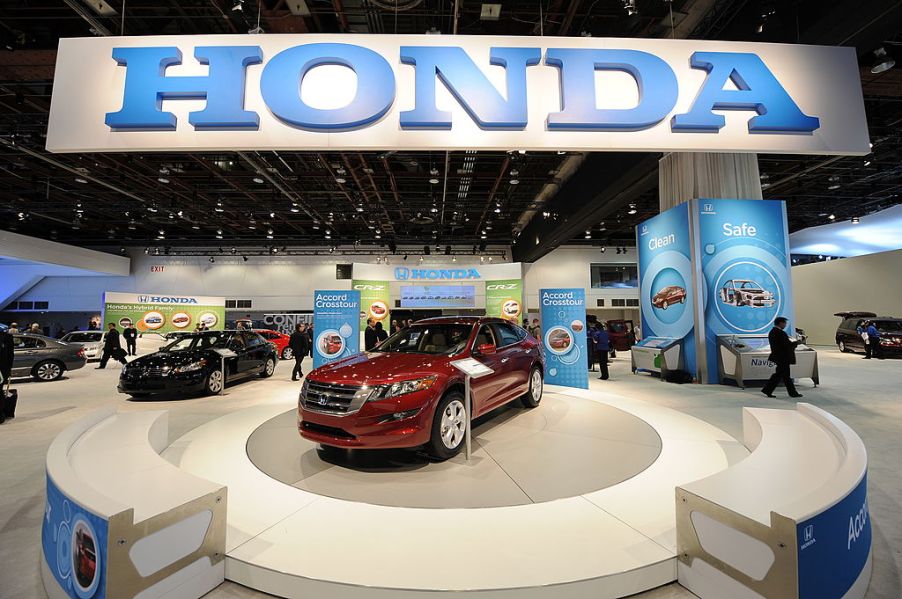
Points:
[[657, 355], [744, 358]]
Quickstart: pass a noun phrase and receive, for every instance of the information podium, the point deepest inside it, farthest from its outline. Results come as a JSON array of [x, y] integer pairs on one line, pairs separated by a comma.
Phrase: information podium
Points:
[[657, 355], [744, 358], [472, 369], [223, 354]]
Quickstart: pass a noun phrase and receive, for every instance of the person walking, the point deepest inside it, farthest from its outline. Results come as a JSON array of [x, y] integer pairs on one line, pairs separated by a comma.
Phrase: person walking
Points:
[[130, 334], [7, 355], [300, 345], [536, 329], [35, 329], [872, 345], [602, 350], [783, 354], [369, 335], [381, 333], [112, 348], [590, 346]]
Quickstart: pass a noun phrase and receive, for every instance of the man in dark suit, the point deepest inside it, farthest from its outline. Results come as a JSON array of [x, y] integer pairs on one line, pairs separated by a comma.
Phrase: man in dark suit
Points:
[[7, 354], [370, 339], [130, 334], [783, 354], [300, 345], [112, 348]]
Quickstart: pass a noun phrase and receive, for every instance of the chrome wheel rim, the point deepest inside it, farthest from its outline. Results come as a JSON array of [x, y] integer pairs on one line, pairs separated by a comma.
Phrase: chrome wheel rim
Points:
[[270, 367], [536, 386], [287, 354], [48, 371], [215, 383], [454, 424], [842, 346]]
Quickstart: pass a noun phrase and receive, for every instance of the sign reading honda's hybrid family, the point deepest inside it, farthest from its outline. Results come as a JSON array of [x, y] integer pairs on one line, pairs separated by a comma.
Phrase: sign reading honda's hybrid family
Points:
[[163, 313], [352, 92]]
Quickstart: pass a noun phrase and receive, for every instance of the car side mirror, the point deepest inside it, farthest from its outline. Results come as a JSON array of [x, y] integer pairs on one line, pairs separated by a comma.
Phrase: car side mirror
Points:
[[486, 348]]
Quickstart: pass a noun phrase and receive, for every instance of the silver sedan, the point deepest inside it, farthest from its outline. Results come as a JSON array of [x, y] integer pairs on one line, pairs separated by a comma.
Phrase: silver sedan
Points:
[[44, 358]]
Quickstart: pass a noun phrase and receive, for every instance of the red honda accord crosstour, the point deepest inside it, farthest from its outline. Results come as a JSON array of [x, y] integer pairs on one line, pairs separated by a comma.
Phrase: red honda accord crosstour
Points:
[[405, 393]]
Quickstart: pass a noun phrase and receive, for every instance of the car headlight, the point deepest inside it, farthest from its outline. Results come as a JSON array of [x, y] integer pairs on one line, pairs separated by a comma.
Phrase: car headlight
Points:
[[304, 390], [190, 367], [401, 388]]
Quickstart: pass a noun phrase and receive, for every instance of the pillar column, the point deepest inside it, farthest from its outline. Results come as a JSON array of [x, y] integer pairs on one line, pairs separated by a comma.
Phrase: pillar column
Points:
[[683, 176]]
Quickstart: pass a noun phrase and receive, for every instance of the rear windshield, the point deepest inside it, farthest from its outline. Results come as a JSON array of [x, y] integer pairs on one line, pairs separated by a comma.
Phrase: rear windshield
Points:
[[889, 326], [82, 337], [433, 339]]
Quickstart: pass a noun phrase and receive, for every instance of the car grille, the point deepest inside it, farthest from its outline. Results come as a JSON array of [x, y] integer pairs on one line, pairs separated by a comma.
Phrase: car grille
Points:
[[327, 430], [134, 374], [334, 399]]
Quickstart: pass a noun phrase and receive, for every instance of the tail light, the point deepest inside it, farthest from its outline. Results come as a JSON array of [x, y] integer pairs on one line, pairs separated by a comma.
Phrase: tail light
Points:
[[81, 352]]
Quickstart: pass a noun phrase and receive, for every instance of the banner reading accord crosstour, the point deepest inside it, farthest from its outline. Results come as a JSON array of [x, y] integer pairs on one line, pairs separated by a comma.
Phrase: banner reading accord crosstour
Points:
[[564, 336], [158, 313], [336, 325]]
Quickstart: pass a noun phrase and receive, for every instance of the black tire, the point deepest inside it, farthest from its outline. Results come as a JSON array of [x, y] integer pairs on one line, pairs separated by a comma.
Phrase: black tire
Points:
[[214, 382], [531, 399], [48, 370], [664, 305], [138, 395], [437, 446], [269, 367], [287, 353], [842, 347]]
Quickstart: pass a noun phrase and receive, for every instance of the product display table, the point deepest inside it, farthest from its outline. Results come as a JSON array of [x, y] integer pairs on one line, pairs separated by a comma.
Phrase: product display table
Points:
[[658, 355], [744, 358]]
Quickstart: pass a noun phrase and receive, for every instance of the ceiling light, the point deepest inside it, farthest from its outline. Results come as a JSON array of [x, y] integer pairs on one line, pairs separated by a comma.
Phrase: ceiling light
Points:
[[212, 259], [632, 209], [834, 182], [162, 179], [340, 180], [219, 207], [244, 258], [238, 5], [832, 217], [603, 249], [515, 181], [150, 208], [882, 61], [855, 220], [453, 258], [80, 180], [433, 180], [514, 172], [359, 207], [258, 180], [294, 207]]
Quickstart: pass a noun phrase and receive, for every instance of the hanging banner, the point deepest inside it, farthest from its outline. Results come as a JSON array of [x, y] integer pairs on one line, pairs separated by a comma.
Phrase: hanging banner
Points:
[[666, 297], [563, 314], [504, 299], [157, 313], [354, 92], [75, 546], [374, 302], [743, 249], [336, 325]]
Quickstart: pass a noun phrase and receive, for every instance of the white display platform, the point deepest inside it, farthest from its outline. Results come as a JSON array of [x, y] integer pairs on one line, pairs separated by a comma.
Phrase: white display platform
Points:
[[608, 543]]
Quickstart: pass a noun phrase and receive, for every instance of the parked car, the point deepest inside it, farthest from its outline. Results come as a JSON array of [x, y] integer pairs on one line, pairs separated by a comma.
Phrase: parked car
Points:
[[280, 340], [43, 358], [801, 335], [191, 363], [91, 341], [673, 294], [621, 334], [405, 392], [848, 339], [739, 292]]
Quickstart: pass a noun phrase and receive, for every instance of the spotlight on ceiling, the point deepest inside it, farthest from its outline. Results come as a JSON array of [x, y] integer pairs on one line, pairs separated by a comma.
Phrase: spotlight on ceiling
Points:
[[238, 5], [603, 249], [882, 61], [212, 260], [855, 220], [244, 258], [632, 209]]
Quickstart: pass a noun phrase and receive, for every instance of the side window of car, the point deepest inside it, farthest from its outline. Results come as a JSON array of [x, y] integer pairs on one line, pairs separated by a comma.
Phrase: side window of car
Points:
[[253, 340], [26, 343], [521, 332], [505, 334], [484, 336]]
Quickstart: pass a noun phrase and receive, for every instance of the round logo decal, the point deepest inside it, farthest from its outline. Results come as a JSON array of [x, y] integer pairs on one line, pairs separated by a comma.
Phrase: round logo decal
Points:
[[85, 559], [559, 340], [378, 310], [180, 320], [330, 343], [125, 322], [208, 319], [511, 309], [577, 326], [153, 320]]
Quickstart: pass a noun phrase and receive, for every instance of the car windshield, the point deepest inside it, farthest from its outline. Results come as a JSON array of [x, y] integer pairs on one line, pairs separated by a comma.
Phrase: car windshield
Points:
[[617, 327], [889, 326], [193, 342], [433, 339], [751, 285], [82, 337]]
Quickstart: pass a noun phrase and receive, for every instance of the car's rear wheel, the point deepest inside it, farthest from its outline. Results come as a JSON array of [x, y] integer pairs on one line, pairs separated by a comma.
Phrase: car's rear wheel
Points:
[[268, 368], [48, 370], [449, 426], [214, 382], [842, 347], [287, 353], [533, 397]]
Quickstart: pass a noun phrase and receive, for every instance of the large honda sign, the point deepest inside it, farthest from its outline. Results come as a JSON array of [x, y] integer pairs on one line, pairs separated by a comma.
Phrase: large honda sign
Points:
[[352, 92]]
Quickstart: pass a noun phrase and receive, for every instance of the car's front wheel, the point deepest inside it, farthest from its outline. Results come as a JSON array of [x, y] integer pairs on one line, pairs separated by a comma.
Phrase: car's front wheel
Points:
[[533, 397], [664, 305], [449, 426], [268, 367], [214, 382], [842, 347], [48, 370], [287, 353]]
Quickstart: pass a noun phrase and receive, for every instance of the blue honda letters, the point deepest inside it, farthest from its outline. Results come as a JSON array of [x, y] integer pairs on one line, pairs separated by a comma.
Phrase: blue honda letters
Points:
[[756, 90]]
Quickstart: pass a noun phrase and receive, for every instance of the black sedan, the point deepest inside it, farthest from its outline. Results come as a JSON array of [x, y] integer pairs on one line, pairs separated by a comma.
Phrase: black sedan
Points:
[[193, 363]]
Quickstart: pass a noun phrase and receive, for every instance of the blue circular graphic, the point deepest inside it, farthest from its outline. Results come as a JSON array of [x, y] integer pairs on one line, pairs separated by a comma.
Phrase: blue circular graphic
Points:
[[63, 550], [748, 296], [682, 323], [710, 248], [570, 358], [668, 295], [559, 340], [86, 559]]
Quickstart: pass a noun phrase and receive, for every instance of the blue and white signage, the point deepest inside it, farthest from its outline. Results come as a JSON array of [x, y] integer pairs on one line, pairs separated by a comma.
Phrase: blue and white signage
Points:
[[74, 543], [336, 325], [352, 92], [834, 546], [402, 273], [563, 313], [744, 257], [666, 296], [438, 296]]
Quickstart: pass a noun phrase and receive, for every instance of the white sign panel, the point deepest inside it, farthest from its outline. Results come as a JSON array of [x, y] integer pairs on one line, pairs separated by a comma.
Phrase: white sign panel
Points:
[[116, 297], [357, 92]]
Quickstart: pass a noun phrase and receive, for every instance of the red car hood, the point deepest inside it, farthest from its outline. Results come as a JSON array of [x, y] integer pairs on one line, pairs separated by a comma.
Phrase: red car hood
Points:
[[381, 367]]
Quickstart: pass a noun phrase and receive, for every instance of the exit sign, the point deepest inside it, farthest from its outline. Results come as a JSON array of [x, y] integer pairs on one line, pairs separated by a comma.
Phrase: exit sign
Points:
[[156, 268]]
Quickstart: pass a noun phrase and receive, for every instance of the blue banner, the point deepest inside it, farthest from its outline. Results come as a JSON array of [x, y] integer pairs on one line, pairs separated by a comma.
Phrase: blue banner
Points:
[[336, 325], [833, 547], [666, 297], [563, 314], [744, 252], [74, 542], [438, 296]]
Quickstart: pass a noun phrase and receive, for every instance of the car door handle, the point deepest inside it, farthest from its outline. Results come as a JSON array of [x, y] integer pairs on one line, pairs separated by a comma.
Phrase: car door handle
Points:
[[505, 360]]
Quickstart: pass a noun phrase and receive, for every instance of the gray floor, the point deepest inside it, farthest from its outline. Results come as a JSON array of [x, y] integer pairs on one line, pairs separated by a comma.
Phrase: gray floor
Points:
[[519, 456], [866, 394]]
